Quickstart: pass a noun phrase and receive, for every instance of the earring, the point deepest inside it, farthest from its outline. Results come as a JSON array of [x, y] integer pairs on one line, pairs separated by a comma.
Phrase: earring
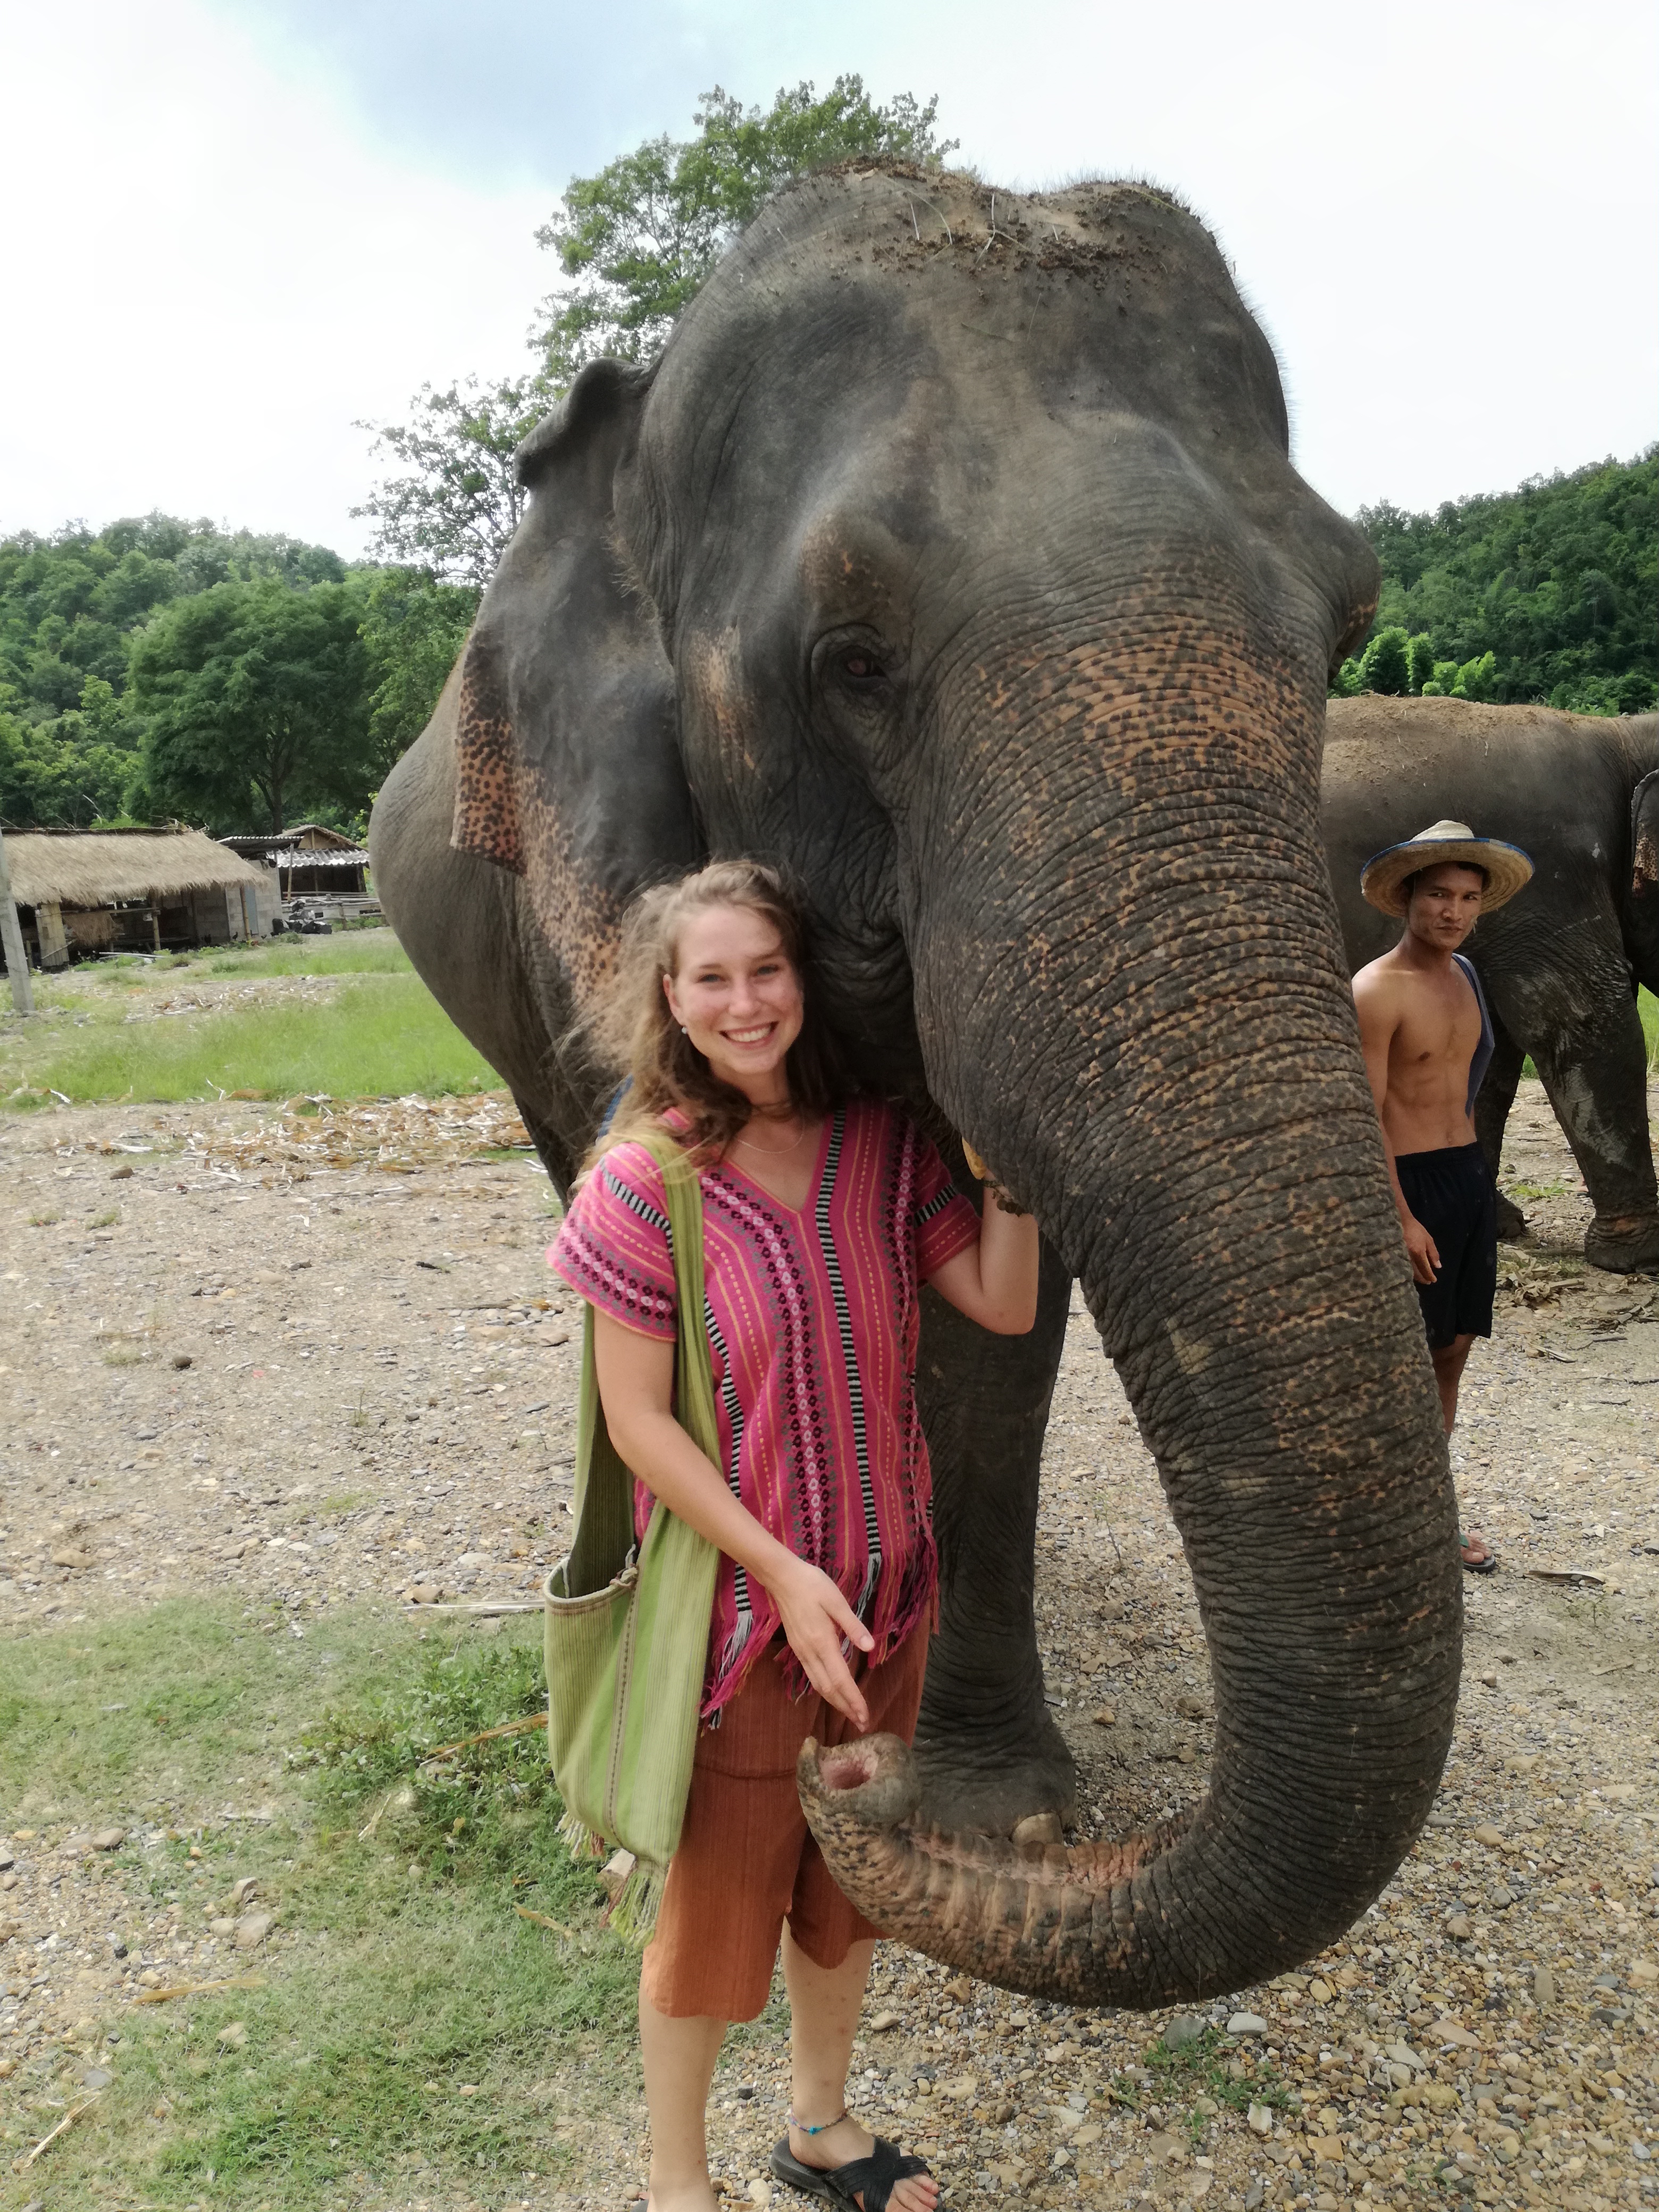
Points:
[[684, 1031]]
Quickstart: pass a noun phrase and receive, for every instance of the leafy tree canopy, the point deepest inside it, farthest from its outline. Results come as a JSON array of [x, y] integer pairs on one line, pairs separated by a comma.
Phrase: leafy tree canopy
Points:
[[1550, 593], [413, 627], [458, 501], [255, 704], [70, 605], [642, 236]]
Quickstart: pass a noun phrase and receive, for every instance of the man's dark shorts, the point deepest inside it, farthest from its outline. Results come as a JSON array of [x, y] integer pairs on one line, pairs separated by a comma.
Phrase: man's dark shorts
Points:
[[1451, 1194]]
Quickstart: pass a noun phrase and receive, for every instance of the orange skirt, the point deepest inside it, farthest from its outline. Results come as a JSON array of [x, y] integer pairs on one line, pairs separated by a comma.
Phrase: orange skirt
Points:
[[747, 1861]]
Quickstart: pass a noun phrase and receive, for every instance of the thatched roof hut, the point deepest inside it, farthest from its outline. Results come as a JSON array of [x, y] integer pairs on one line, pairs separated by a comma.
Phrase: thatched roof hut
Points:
[[104, 867], [99, 890]]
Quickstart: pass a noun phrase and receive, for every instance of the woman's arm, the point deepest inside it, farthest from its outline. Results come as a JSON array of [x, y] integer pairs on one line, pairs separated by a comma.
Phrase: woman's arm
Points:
[[994, 1282], [636, 1387]]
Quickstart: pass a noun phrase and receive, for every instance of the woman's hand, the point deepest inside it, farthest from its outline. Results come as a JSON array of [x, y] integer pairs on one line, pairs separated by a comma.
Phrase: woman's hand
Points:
[[994, 1282], [817, 1619]]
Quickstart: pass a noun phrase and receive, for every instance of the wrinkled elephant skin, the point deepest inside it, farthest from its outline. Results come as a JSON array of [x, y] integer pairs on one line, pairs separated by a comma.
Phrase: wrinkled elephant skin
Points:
[[1560, 963], [953, 556]]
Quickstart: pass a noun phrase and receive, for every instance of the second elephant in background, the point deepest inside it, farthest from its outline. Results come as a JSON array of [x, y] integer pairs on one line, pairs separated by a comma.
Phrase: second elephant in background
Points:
[[1560, 966]]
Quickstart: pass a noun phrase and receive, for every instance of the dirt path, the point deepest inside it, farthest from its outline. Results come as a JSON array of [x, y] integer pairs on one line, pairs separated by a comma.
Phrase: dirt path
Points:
[[310, 1385]]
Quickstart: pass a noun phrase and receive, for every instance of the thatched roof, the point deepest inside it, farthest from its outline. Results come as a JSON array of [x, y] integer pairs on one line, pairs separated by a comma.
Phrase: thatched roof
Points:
[[91, 867]]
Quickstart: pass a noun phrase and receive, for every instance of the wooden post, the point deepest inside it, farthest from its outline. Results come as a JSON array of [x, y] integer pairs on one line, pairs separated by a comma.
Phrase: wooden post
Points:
[[11, 935], [49, 934]]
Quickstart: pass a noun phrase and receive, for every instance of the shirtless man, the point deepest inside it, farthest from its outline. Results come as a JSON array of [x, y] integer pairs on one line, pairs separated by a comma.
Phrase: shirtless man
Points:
[[1427, 1039]]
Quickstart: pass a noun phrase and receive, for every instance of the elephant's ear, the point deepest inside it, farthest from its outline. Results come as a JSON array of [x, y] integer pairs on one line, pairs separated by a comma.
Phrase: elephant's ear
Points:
[[568, 767], [1644, 837]]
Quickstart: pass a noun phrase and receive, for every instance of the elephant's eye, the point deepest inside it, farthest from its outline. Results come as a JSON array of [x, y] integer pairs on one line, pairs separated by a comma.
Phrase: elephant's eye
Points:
[[862, 670]]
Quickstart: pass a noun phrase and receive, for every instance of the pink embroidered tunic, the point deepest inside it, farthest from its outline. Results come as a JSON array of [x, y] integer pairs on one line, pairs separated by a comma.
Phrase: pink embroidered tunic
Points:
[[812, 1321]]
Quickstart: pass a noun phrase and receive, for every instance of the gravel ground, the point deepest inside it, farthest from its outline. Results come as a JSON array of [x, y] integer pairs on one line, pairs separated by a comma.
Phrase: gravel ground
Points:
[[313, 1385]]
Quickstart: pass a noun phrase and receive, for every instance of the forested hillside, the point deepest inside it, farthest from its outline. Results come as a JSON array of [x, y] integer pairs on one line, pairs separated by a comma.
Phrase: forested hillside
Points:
[[1550, 593], [70, 608], [160, 668]]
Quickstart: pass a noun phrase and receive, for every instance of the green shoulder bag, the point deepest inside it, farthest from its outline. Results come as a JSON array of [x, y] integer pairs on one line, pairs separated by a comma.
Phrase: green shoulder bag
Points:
[[626, 1628]]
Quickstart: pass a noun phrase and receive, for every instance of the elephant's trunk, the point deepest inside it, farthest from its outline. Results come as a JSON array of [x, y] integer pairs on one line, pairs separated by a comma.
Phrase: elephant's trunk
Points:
[[1159, 961], [1037, 1917]]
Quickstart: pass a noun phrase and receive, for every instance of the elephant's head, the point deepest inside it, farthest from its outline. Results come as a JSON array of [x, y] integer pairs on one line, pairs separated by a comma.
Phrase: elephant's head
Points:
[[952, 554]]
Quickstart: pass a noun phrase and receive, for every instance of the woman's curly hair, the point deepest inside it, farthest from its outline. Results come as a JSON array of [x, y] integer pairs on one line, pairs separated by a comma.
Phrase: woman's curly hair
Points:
[[665, 1069]]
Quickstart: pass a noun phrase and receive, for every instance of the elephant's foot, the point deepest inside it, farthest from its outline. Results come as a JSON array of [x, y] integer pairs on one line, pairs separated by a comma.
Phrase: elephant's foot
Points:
[[990, 1790], [1512, 1222], [1624, 1245]]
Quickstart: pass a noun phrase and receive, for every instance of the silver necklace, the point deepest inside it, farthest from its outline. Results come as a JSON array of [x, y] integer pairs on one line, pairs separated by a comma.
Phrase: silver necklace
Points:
[[774, 1152]]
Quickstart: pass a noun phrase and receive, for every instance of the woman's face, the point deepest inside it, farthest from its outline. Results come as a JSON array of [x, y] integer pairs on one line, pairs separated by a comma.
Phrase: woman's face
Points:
[[735, 993]]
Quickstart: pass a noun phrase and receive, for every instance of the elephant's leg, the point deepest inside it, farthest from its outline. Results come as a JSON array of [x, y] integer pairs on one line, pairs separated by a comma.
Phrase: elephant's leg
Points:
[[987, 1751], [558, 1152], [1598, 1086], [1492, 1114]]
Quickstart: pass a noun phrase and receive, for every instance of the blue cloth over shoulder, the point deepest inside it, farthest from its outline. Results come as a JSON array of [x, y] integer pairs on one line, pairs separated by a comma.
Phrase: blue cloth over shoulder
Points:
[[1482, 1051]]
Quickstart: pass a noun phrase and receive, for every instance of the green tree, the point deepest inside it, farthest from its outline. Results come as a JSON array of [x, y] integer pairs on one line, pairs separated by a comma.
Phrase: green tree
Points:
[[1385, 665], [413, 627], [1422, 660], [1477, 678], [61, 774], [255, 702], [458, 500], [641, 237]]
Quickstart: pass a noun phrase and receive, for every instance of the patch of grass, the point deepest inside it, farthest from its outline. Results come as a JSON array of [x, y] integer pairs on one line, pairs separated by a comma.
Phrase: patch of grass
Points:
[[365, 952], [401, 1972], [108, 1219], [1198, 2069], [383, 1036], [44, 1220]]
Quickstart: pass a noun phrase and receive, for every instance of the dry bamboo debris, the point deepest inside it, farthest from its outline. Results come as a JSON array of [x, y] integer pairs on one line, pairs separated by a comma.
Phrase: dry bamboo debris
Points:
[[396, 1135], [490, 1611], [68, 2121], [519, 1727], [198, 1989], [542, 1920], [367, 1831]]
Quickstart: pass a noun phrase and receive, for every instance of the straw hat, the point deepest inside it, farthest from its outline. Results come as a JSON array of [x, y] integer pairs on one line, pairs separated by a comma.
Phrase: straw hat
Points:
[[1508, 868]]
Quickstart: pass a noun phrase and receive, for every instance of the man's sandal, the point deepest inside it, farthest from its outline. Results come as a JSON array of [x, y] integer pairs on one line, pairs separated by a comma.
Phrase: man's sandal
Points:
[[871, 2178], [1486, 1566]]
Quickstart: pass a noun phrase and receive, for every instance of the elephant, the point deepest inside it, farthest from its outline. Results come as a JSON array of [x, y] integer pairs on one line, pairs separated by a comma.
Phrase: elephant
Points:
[[1560, 964], [950, 555]]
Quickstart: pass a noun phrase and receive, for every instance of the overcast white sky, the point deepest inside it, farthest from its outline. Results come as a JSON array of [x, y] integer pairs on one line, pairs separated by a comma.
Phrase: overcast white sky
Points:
[[234, 226]]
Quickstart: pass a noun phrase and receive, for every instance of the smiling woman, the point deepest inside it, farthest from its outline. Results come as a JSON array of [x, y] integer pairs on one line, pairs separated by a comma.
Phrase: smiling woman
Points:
[[824, 1212]]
